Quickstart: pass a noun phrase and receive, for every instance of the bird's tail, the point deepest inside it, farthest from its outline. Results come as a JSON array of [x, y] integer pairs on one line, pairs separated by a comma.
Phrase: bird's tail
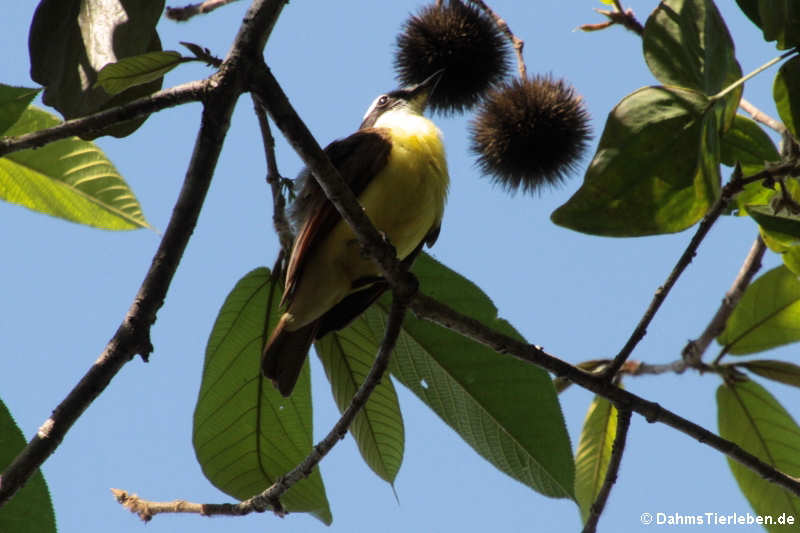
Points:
[[285, 353]]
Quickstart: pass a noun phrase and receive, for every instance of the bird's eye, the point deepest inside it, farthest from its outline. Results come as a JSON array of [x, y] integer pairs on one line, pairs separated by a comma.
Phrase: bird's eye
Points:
[[383, 100]]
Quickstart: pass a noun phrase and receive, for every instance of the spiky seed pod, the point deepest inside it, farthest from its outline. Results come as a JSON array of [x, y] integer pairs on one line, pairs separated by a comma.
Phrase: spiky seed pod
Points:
[[460, 39], [530, 133]]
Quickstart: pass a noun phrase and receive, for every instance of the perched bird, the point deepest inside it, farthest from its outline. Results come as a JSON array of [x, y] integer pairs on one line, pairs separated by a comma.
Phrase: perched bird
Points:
[[395, 164]]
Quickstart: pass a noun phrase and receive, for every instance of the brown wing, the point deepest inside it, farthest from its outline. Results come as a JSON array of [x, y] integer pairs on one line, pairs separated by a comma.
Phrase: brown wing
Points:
[[358, 158]]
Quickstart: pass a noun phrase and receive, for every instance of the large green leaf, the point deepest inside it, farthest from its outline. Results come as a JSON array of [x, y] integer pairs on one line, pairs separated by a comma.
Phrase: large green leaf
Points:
[[747, 144], [71, 40], [656, 169], [786, 92], [780, 371], [594, 452], [768, 315], [137, 70], [505, 409], [30, 509], [70, 179], [752, 418], [687, 44], [347, 356], [246, 434], [13, 101]]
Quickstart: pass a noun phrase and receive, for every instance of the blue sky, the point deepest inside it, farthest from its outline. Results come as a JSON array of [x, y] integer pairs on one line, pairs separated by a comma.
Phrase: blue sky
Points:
[[67, 287]]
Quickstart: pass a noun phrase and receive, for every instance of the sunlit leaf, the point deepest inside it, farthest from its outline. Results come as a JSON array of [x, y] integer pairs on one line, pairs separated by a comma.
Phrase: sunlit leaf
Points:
[[136, 70], [594, 452], [635, 184], [786, 92], [686, 43], [70, 179], [31, 508], [780, 371], [347, 356], [768, 315], [246, 434], [783, 225], [13, 101], [505, 409], [752, 418]]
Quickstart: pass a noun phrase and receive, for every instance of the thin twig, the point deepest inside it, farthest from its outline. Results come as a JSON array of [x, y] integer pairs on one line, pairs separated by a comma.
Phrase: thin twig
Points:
[[694, 350], [188, 92], [619, 15], [429, 309], [182, 14], [279, 220], [270, 498], [617, 449], [719, 206], [760, 116], [516, 42], [133, 335]]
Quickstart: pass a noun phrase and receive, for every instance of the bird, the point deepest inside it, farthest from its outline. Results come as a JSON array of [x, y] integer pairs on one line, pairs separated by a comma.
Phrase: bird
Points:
[[395, 164]]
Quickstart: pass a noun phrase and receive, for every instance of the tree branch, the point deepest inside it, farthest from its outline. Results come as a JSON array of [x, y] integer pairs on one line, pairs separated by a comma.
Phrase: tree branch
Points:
[[731, 188], [270, 498], [429, 309], [182, 14], [760, 116], [694, 350], [274, 179], [133, 335], [182, 94], [617, 449]]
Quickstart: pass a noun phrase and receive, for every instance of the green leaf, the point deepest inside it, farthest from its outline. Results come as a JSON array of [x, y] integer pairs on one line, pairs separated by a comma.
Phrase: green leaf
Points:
[[783, 226], [752, 418], [70, 179], [780, 21], [31, 508], [71, 40], [786, 92], [687, 44], [768, 315], [750, 8], [246, 434], [506, 410], [594, 452], [791, 259], [13, 101], [136, 70], [780, 371], [347, 356], [636, 185], [749, 145]]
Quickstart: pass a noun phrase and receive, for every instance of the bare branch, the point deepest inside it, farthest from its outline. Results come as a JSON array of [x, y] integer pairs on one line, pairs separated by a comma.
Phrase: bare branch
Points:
[[517, 43], [617, 449], [188, 92], [274, 180], [433, 311], [620, 15], [270, 498], [133, 335], [731, 188], [182, 14], [694, 350], [760, 116]]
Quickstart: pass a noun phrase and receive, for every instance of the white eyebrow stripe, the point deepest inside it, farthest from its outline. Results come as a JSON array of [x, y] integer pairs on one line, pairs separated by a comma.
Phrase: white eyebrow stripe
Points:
[[372, 107]]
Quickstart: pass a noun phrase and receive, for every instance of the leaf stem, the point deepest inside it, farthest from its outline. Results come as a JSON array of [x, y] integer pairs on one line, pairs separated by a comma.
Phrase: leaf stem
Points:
[[757, 71]]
